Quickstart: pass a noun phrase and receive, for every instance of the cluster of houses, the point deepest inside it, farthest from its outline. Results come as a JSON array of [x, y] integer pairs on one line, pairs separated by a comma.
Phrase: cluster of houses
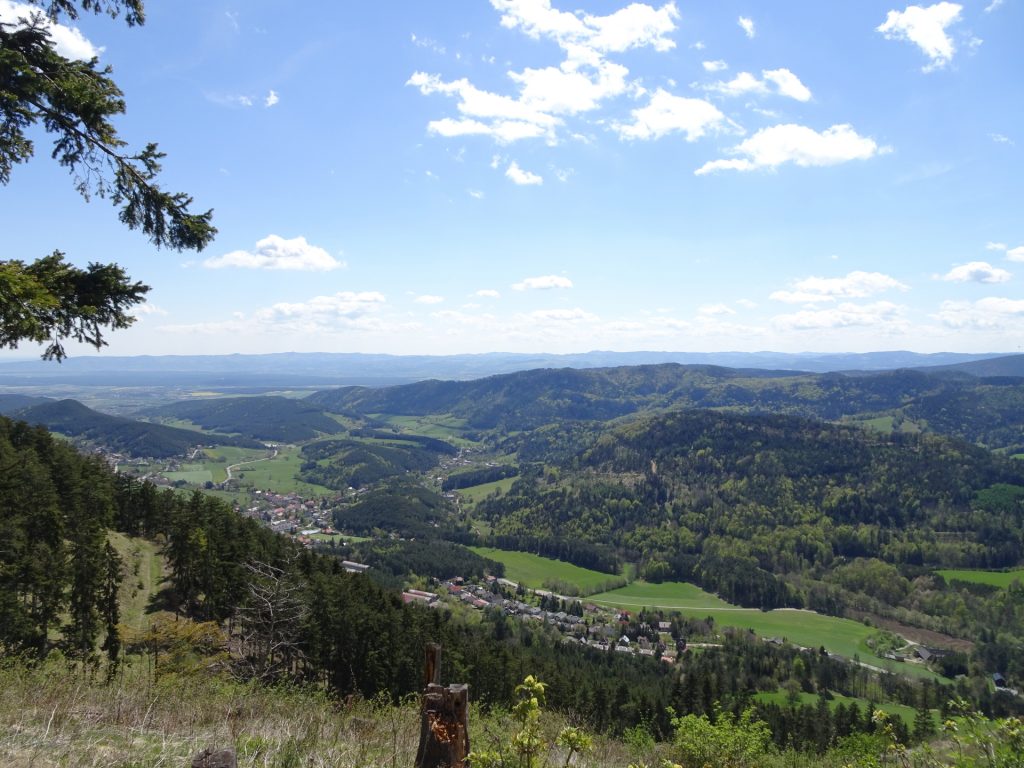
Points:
[[599, 628]]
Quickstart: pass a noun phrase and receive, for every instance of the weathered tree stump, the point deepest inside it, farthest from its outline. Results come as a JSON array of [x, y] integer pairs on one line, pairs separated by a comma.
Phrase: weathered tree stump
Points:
[[215, 758], [444, 718]]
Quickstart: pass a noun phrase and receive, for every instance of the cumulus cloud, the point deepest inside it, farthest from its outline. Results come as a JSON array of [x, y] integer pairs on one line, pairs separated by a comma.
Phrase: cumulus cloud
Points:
[[544, 282], [781, 144], [521, 177], [780, 81], [991, 313], [271, 99], [715, 66], [345, 309], [544, 97], [855, 285], [69, 41], [148, 310], [748, 26], [976, 272], [488, 293], [666, 114], [883, 314], [427, 298], [277, 253], [926, 28]]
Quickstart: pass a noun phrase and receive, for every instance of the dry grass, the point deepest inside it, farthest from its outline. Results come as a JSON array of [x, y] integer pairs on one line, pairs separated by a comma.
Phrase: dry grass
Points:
[[56, 714], [53, 715]]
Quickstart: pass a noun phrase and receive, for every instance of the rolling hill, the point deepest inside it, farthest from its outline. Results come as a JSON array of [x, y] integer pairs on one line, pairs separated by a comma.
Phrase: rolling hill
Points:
[[123, 435], [263, 418]]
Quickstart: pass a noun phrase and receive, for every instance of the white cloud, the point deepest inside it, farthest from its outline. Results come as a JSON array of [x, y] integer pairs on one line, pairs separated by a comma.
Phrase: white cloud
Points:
[[544, 282], [575, 315], [855, 285], [748, 26], [926, 28], [780, 144], [999, 138], [277, 253], [991, 313], [271, 99], [147, 310], [883, 314], [788, 84], [1012, 254], [488, 293], [976, 272], [715, 66], [746, 303], [476, 194], [69, 41], [667, 114], [546, 96], [782, 81], [994, 5], [427, 298], [521, 177]]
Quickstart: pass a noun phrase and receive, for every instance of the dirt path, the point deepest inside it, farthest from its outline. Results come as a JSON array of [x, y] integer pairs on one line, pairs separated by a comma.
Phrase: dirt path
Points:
[[246, 463]]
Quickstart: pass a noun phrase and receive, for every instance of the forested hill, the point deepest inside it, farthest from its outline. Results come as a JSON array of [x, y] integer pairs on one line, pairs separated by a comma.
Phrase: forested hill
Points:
[[261, 418], [734, 501], [985, 411], [119, 434]]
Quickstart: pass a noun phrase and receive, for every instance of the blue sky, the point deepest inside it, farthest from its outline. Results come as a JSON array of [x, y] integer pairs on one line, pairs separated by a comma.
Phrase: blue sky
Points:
[[448, 176]]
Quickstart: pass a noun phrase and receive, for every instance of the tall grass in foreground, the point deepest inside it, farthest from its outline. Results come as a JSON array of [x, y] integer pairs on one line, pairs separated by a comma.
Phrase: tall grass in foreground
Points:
[[57, 714]]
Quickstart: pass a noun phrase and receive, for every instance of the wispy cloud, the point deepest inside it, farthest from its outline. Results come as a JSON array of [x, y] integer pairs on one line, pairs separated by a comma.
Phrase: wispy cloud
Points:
[[543, 282], [748, 26]]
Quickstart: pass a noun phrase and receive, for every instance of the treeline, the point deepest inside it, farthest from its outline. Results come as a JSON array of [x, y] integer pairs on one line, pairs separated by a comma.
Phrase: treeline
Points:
[[436, 559], [264, 417], [582, 553], [342, 463], [401, 508], [478, 477]]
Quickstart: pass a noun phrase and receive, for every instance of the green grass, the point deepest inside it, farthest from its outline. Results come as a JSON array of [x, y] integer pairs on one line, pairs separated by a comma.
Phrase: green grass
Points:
[[479, 492], [907, 714], [280, 474], [194, 474], [534, 571], [803, 628], [443, 427], [144, 575], [1001, 579]]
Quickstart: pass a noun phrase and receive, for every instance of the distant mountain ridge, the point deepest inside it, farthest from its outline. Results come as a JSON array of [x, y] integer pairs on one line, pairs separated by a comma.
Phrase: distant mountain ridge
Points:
[[986, 411], [320, 369]]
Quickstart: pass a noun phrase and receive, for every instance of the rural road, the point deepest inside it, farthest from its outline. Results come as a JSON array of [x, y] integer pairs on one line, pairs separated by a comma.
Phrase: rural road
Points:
[[246, 463]]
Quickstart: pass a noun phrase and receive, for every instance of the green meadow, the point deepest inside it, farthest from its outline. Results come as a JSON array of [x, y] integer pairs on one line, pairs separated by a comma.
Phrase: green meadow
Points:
[[1001, 579], [534, 571], [477, 493], [803, 628]]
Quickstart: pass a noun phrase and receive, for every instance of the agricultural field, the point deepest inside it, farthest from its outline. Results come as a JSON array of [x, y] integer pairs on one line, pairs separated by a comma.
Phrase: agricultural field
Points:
[[279, 474], [1001, 579], [534, 571], [192, 473]]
